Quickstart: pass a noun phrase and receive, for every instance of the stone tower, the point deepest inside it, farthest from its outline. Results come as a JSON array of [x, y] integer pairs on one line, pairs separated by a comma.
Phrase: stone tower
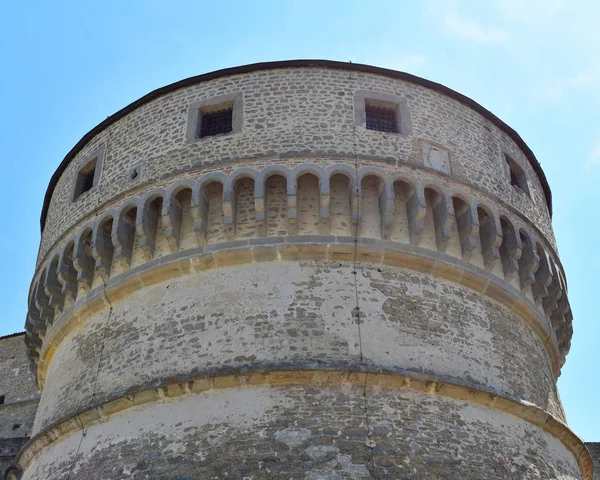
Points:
[[300, 270]]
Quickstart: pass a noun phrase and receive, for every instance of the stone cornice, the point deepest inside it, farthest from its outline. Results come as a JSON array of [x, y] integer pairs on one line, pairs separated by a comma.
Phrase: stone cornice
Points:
[[295, 248], [164, 389], [241, 162], [104, 246]]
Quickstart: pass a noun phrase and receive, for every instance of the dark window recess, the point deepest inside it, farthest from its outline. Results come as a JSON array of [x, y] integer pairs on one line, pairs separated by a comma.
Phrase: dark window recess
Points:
[[85, 179], [2, 397], [381, 119], [518, 178], [16, 426], [214, 123], [514, 179]]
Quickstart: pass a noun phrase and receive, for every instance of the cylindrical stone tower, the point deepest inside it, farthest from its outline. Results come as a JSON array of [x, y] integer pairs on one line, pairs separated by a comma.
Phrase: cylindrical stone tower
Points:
[[300, 270]]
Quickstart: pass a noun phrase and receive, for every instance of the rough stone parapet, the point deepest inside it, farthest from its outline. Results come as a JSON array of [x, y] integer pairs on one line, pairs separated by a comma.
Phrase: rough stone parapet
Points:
[[319, 103]]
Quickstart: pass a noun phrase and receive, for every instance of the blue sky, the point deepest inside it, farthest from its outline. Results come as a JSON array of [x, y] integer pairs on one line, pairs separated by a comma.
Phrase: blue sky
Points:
[[66, 66]]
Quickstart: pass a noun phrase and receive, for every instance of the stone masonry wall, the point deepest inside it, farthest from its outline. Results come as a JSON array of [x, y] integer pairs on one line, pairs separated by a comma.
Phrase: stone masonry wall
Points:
[[16, 382], [20, 399], [290, 432], [288, 314], [211, 317], [594, 448], [290, 112]]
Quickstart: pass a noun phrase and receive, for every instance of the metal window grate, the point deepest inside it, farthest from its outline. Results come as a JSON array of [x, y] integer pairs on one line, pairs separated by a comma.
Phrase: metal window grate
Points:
[[85, 179], [214, 123], [381, 119]]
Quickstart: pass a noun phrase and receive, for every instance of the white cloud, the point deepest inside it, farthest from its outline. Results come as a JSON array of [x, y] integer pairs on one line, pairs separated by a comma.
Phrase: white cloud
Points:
[[461, 26], [409, 63], [471, 30], [593, 160], [530, 11], [586, 78]]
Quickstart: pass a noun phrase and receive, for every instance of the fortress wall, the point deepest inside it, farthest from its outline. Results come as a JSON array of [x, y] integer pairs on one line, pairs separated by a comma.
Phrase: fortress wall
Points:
[[21, 397], [389, 293], [281, 315], [291, 112], [290, 432], [16, 382], [594, 448], [405, 209]]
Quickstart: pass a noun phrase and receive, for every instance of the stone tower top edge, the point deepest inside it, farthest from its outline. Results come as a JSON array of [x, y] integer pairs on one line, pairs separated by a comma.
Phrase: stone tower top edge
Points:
[[288, 64]]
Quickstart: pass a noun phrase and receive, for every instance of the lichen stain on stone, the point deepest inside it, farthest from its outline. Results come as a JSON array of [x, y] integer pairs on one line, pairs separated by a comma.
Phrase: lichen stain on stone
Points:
[[293, 437]]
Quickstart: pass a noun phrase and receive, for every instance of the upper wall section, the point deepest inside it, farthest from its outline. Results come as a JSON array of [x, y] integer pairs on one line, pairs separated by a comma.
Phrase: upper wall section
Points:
[[301, 108]]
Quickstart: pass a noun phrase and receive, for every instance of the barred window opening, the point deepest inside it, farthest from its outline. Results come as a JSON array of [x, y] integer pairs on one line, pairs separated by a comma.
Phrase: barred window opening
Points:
[[215, 123], [381, 119], [85, 179]]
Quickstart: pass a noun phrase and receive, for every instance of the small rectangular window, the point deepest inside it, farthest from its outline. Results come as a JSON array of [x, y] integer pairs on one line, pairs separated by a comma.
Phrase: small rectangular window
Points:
[[216, 122], [2, 397], [85, 179], [381, 119], [517, 175], [215, 116]]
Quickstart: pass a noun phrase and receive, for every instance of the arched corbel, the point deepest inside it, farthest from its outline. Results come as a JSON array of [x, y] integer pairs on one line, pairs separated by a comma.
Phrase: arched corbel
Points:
[[467, 224], [102, 246], [324, 208], [259, 208], [387, 204], [324, 191], [528, 262], [354, 187], [43, 306], [510, 249], [324, 201], [230, 194], [229, 225], [146, 223], [83, 262], [123, 235], [416, 210], [52, 286], [66, 274], [199, 214], [292, 209], [543, 277], [229, 209], [550, 302], [172, 215], [34, 317], [490, 234], [443, 218], [292, 205]]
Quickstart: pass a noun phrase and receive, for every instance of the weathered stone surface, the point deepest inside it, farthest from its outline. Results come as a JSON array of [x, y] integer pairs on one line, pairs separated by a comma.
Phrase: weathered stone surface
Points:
[[308, 433], [300, 297], [21, 397], [289, 112], [237, 317], [594, 448]]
